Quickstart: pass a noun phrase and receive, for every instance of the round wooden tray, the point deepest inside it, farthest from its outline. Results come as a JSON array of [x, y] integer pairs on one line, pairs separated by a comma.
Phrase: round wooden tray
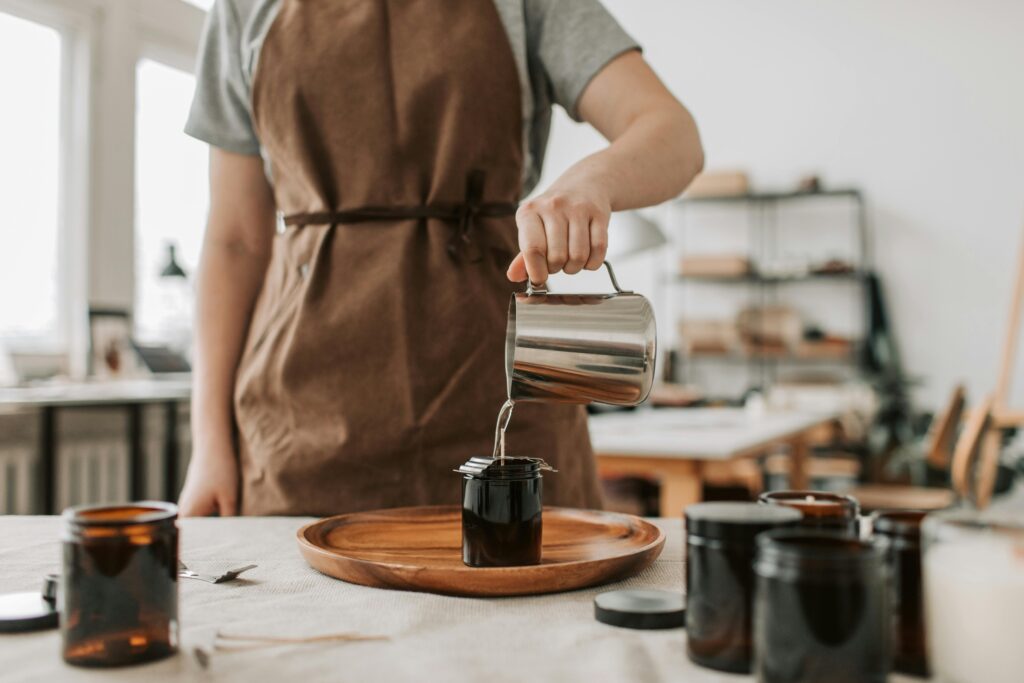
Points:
[[420, 548]]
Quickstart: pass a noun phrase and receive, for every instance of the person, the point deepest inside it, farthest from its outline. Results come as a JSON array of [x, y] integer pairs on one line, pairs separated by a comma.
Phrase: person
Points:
[[365, 235]]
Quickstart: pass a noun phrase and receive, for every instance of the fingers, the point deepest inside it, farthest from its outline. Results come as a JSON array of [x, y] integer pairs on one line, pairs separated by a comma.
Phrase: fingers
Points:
[[579, 243], [532, 243], [559, 231], [556, 229], [517, 269], [598, 242]]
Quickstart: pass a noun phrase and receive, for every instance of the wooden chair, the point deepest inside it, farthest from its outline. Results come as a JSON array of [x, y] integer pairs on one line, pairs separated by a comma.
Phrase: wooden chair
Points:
[[940, 454]]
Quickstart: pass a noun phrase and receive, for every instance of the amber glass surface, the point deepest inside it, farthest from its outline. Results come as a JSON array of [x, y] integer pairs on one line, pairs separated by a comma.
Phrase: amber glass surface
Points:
[[720, 547], [821, 509], [119, 600], [902, 528], [502, 515], [821, 612]]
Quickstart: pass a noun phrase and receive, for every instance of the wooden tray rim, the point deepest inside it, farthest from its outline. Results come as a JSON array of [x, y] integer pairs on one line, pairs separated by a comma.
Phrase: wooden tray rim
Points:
[[305, 543]]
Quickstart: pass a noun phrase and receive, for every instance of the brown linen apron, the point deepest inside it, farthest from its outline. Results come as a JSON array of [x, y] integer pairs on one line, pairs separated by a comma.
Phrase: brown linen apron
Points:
[[374, 364]]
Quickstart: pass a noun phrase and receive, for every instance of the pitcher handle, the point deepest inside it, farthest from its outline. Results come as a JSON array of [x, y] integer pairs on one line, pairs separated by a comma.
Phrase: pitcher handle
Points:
[[543, 288]]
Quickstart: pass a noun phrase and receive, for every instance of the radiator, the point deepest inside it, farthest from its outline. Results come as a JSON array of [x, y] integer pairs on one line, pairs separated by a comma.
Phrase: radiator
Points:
[[92, 463]]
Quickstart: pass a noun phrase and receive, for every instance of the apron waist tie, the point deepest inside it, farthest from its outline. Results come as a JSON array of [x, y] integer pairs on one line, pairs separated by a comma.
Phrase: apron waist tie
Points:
[[463, 215]]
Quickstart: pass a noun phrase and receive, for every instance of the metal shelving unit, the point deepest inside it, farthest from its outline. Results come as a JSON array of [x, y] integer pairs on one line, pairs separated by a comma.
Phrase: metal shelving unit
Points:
[[762, 214]]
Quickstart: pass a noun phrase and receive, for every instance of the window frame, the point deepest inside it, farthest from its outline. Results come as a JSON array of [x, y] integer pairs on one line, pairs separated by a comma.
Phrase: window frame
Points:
[[76, 23], [102, 43]]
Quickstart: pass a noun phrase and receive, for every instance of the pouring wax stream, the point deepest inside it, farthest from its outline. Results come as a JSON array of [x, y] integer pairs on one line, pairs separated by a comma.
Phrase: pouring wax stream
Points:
[[499, 429]]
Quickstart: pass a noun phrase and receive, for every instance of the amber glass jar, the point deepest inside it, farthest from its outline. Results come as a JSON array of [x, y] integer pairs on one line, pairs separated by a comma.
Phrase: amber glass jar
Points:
[[720, 552], [501, 512], [119, 600], [822, 608], [821, 509], [902, 529]]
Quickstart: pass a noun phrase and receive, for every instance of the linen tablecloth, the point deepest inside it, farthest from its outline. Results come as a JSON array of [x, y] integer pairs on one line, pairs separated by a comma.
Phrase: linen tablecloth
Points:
[[432, 637]]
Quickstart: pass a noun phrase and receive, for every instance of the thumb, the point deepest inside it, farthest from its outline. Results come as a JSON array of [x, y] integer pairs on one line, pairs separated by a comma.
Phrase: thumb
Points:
[[517, 269]]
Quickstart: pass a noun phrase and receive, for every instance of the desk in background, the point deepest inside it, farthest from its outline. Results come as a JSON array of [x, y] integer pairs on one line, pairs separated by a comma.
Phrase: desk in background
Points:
[[674, 445], [45, 403]]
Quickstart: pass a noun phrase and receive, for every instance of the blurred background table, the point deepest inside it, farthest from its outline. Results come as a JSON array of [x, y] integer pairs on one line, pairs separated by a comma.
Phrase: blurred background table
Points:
[[678, 446]]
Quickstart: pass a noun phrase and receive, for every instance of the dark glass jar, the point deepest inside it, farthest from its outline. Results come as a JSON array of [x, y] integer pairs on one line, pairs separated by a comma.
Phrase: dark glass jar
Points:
[[822, 608], [821, 509], [119, 599], [902, 530], [720, 552], [501, 511]]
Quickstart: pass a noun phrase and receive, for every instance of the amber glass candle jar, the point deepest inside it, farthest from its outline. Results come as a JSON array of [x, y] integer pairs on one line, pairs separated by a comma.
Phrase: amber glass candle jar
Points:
[[720, 552], [821, 509], [822, 608], [902, 530], [501, 512], [119, 599]]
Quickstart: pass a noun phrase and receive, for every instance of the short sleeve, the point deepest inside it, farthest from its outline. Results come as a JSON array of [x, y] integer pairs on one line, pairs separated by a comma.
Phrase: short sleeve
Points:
[[220, 113], [572, 40]]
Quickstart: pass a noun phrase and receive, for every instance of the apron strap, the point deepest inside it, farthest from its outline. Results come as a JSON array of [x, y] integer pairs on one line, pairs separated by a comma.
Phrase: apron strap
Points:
[[463, 215]]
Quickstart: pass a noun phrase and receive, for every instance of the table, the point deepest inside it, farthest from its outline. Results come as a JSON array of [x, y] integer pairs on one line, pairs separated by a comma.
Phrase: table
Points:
[[129, 394], [432, 637], [673, 445]]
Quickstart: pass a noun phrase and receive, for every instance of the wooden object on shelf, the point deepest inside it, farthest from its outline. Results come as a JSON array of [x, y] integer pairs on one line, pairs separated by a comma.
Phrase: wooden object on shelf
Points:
[[709, 336], [942, 432], [719, 184], [828, 347], [715, 266], [420, 549], [768, 327]]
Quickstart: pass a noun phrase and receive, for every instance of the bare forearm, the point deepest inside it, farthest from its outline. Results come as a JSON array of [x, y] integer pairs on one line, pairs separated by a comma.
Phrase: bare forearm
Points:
[[653, 160], [230, 277]]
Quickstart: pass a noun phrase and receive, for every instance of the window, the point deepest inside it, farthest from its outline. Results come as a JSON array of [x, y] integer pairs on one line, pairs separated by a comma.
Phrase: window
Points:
[[30, 135], [171, 201]]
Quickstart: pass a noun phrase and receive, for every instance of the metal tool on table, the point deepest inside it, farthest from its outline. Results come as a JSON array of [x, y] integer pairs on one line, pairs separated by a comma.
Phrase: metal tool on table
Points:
[[230, 575], [579, 348]]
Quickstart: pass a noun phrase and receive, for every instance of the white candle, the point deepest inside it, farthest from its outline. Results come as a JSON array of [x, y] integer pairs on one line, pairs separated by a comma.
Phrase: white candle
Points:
[[974, 607]]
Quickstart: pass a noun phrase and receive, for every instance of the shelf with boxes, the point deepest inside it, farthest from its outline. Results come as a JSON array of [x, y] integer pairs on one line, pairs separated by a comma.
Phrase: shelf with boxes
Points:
[[766, 281]]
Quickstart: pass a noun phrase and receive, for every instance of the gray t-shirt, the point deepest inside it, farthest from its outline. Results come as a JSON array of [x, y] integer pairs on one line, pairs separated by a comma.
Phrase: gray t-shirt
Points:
[[559, 46]]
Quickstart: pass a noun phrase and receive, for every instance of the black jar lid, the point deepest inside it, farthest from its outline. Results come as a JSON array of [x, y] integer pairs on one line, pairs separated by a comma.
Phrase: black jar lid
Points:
[[641, 609], [905, 523], [737, 521], [504, 468]]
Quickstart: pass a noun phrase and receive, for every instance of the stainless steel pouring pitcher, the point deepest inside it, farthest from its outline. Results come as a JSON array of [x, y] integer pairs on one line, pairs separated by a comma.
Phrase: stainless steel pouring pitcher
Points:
[[579, 348]]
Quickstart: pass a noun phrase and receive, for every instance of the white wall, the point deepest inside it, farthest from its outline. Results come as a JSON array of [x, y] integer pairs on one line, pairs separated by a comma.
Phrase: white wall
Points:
[[918, 102]]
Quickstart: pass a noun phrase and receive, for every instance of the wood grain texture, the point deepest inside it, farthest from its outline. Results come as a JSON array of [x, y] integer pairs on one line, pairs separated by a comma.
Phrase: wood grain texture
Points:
[[420, 549]]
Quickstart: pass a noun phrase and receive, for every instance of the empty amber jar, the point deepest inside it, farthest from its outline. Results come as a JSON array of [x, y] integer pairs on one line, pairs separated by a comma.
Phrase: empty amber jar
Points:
[[119, 599], [822, 608], [720, 549], [902, 529], [501, 512], [821, 509]]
